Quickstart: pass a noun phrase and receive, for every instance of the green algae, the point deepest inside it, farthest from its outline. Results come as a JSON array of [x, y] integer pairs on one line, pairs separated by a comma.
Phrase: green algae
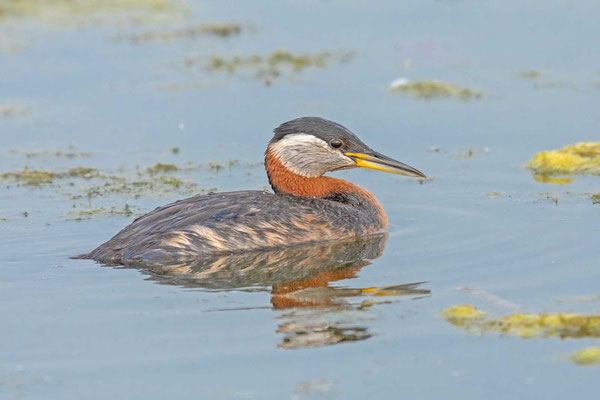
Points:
[[89, 213], [69, 154], [37, 177], [579, 158], [587, 357], [219, 29], [273, 65], [546, 178], [11, 109], [160, 168], [596, 198], [81, 172], [463, 315], [29, 177], [429, 90], [561, 325], [72, 11], [157, 187], [529, 74]]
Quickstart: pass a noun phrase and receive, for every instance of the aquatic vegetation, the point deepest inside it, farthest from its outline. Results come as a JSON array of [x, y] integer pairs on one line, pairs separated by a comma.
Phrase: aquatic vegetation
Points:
[[273, 64], [80, 172], [562, 325], [156, 186], [88, 213], [545, 178], [215, 166], [596, 198], [428, 90], [587, 356], [13, 108], [28, 177], [579, 158], [463, 315], [474, 151], [220, 29], [69, 11], [36, 177], [69, 154], [529, 74], [160, 168]]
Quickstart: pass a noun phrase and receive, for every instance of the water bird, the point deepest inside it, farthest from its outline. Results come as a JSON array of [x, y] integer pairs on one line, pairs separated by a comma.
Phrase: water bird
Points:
[[305, 206]]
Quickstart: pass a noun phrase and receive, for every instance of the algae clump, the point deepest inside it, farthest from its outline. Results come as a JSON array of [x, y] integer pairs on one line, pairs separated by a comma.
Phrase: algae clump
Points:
[[579, 158], [273, 64], [29, 177], [161, 168], [463, 315], [428, 90], [220, 29], [562, 325], [529, 74], [68, 11], [587, 356], [545, 178], [10, 109], [596, 198]]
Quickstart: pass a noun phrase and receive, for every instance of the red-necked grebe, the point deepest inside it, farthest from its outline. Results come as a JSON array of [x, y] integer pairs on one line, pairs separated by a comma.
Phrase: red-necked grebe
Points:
[[306, 206]]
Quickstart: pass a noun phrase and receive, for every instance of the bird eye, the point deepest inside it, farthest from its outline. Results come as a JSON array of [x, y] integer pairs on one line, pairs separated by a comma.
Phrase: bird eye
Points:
[[336, 143]]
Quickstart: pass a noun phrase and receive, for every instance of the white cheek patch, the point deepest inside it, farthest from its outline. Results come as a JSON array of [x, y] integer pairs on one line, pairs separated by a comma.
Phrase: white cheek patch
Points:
[[309, 156]]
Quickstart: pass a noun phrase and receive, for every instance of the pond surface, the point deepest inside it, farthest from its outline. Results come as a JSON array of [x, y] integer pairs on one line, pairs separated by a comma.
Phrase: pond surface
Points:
[[117, 87]]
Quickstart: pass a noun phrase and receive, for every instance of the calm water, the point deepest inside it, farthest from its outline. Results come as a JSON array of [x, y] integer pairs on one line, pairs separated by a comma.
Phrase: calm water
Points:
[[297, 324]]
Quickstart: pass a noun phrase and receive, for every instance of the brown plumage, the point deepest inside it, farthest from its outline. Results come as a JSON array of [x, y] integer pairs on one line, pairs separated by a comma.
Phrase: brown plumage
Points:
[[306, 206]]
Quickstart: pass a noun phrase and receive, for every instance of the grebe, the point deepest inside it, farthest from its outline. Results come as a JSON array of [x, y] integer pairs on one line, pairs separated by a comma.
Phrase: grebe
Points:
[[305, 206]]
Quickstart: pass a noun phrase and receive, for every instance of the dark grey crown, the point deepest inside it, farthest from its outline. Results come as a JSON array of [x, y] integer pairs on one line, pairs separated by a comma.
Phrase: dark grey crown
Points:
[[319, 127]]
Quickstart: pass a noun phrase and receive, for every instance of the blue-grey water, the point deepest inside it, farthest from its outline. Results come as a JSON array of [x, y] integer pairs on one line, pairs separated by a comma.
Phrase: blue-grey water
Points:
[[481, 231]]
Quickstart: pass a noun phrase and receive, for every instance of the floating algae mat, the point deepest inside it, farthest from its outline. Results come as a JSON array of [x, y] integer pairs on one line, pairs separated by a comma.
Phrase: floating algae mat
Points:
[[36, 177], [561, 325], [273, 64], [429, 90], [72, 10], [13, 109], [587, 356], [219, 29], [579, 158]]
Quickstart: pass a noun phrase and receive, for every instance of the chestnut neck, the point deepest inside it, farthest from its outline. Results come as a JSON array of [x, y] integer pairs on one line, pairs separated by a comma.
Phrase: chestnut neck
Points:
[[283, 180]]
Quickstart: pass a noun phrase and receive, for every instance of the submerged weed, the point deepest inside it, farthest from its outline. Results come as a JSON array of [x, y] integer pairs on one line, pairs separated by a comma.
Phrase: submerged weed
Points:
[[28, 177], [10, 109], [428, 90], [562, 325], [160, 168], [579, 158], [219, 29], [69, 11], [36, 177], [91, 212], [588, 356], [529, 74], [273, 64]]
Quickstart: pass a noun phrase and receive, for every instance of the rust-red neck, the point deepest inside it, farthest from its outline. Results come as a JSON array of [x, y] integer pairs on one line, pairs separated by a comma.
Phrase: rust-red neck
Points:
[[283, 180], [286, 181]]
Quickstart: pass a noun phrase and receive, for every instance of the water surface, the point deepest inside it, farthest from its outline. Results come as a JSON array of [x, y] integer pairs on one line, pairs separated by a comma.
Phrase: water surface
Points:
[[358, 320]]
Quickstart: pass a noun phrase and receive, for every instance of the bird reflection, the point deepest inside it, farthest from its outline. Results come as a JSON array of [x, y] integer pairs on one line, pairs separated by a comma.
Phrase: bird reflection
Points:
[[314, 313]]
